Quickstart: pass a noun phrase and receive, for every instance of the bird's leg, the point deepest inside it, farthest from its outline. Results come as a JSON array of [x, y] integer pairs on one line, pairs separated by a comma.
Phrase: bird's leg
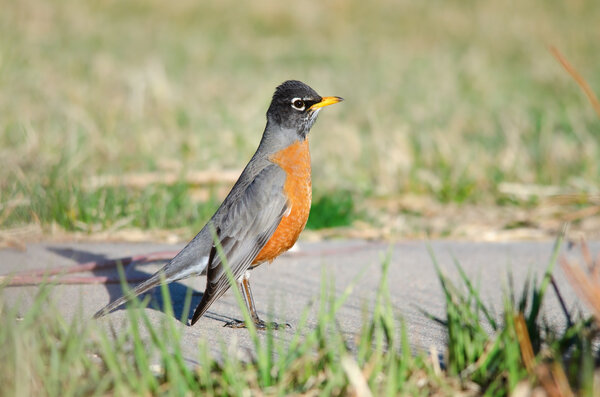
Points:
[[249, 299]]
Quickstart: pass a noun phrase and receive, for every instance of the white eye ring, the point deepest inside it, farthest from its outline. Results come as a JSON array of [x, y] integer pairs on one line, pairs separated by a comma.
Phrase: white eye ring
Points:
[[298, 104]]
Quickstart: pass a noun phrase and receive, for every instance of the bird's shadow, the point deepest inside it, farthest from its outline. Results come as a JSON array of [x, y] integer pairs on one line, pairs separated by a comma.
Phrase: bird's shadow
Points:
[[176, 290]]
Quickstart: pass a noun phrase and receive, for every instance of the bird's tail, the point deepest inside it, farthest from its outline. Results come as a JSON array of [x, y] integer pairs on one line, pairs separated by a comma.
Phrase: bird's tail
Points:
[[138, 290]]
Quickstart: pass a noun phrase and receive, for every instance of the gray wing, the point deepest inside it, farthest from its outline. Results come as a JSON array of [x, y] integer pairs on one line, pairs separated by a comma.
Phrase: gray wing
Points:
[[243, 230]]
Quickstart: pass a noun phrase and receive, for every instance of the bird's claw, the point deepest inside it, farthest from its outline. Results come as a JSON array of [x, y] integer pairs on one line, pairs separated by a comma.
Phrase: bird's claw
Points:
[[259, 324]]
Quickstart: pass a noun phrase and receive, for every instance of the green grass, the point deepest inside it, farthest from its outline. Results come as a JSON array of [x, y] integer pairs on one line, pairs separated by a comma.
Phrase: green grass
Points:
[[443, 98], [113, 208], [43, 354], [333, 209]]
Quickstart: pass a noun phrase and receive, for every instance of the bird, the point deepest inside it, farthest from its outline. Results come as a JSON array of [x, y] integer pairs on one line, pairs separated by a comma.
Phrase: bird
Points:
[[263, 214]]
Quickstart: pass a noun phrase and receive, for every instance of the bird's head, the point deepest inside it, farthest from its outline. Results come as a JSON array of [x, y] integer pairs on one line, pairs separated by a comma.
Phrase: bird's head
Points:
[[295, 106]]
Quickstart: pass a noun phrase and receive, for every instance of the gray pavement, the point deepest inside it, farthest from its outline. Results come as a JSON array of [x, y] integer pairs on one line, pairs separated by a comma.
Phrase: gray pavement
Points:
[[287, 286]]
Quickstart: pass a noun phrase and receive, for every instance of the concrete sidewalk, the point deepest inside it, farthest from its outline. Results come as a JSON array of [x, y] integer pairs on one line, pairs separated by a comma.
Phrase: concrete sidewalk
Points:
[[288, 285]]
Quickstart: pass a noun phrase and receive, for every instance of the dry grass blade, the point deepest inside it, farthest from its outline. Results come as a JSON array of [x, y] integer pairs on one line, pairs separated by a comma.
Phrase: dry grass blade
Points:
[[576, 198], [592, 265], [435, 360], [560, 379], [355, 377], [578, 79], [526, 191], [141, 180], [524, 342], [490, 346], [585, 284], [582, 213], [17, 237], [587, 255], [551, 376], [553, 380], [10, 242]]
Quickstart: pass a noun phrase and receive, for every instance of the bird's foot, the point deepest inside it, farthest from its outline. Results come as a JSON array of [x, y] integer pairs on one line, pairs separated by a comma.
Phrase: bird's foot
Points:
[[259, 324]]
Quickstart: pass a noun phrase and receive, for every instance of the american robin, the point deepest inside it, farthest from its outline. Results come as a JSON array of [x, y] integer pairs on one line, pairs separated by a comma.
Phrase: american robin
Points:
[[263, 214]]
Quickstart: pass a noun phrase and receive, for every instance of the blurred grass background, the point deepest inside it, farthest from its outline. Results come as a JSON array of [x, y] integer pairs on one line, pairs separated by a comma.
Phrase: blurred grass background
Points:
[[444, 99]]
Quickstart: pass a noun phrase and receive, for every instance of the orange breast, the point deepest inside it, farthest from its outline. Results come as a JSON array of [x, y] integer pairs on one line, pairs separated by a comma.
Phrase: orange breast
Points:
[[295, 160]]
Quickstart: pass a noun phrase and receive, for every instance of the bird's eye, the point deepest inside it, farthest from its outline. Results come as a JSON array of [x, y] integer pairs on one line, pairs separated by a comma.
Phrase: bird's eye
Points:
[[298, 104]]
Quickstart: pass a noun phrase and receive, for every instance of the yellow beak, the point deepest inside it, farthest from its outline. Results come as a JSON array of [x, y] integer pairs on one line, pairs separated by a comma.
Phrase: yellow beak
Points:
[[326, 101]]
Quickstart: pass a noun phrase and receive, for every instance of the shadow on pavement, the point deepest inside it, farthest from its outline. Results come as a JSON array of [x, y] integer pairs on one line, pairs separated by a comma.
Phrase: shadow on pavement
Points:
[[177, 290]]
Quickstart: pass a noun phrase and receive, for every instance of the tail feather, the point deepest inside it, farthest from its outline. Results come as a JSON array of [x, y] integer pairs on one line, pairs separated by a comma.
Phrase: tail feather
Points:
[[147, 285], [207, 300], [200, 309], [190, 261]]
